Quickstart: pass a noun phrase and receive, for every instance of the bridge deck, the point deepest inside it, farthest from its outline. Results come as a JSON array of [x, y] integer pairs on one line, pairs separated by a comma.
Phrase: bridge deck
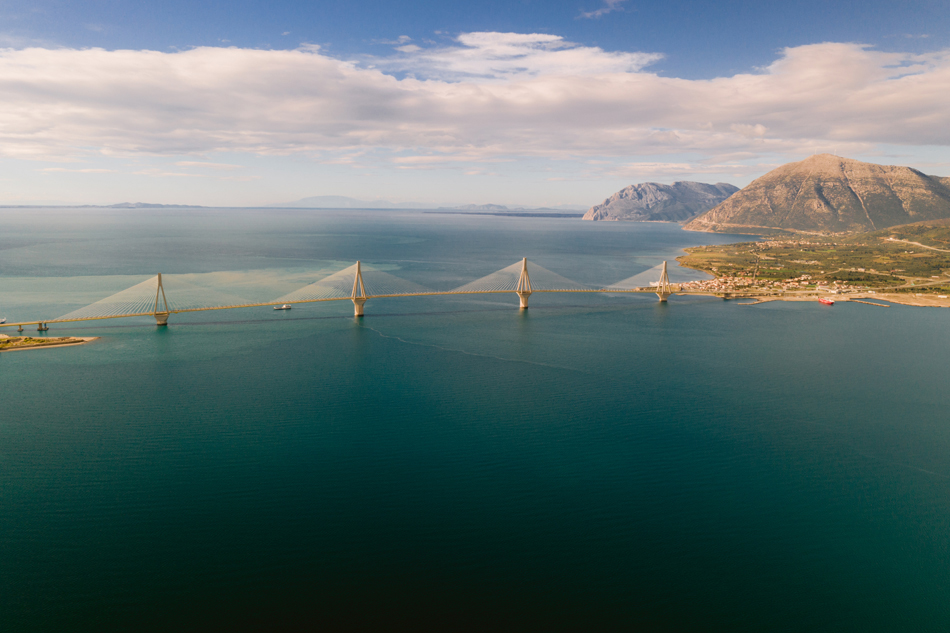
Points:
[[649, 290]]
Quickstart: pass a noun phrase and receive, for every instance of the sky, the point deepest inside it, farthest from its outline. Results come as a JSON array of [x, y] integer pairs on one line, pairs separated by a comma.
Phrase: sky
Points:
[[524, 102]]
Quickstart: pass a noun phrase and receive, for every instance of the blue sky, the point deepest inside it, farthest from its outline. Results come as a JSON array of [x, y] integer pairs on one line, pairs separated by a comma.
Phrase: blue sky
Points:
[[520, 102]]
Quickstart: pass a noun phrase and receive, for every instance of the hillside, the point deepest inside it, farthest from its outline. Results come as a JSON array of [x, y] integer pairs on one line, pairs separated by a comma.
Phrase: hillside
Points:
[[908, 259], [653, 202], [831, 194]]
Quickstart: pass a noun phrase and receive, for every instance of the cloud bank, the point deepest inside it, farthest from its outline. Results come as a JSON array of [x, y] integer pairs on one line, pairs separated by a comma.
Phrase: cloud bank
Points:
[[486, 97]]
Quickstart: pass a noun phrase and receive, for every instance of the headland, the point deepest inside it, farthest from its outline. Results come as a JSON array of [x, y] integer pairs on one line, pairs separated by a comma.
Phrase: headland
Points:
[[907, 264]]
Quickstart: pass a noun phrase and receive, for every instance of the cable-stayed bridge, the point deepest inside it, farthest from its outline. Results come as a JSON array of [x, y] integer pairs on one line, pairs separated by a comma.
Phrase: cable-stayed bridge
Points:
[[160, 297]]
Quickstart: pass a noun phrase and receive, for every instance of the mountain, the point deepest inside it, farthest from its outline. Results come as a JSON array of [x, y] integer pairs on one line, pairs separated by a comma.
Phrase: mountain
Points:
[[830, 193], [343, 202], [480, 207], [653, 202], [149, 205]]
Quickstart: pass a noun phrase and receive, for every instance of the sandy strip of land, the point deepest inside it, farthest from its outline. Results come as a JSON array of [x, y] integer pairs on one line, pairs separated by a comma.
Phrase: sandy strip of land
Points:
[[907, 299], [68, 342]]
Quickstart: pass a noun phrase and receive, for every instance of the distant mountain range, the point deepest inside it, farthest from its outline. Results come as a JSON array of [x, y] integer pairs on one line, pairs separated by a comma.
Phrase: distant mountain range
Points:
[[654, 202], [830, 194], [149, 205], [343, 202]]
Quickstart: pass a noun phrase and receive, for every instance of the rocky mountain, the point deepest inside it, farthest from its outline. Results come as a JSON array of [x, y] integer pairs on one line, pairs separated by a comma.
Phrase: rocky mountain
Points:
[[653, 202], [830, 193]]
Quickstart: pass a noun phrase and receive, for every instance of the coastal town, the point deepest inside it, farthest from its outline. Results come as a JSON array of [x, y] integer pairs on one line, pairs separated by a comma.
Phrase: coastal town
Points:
[[835, 265]]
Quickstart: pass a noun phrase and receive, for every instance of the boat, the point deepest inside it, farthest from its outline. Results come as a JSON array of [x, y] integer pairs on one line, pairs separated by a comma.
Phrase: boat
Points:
[[286, 306], [3, 320], [826, 301]]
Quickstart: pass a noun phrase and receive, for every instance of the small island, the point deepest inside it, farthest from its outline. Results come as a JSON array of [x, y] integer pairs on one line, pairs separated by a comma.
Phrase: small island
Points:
[[13, 343]]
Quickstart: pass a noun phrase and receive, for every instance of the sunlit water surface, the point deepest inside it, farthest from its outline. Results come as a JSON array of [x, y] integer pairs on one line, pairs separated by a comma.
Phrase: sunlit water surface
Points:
[[595, 463]]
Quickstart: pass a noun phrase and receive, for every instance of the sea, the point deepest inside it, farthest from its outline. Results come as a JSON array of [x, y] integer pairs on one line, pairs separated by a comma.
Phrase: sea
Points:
[[597, 462]]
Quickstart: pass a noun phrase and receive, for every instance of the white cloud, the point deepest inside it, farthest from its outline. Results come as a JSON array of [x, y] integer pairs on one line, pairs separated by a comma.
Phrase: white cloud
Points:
[[504, 56], [79, 171], [155, 172], [215, 166], [488, 97], [609, 7]]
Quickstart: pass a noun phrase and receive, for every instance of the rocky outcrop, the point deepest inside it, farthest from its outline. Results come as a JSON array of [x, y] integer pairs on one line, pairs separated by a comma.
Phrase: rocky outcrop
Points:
[[832, 194], [653, 202]]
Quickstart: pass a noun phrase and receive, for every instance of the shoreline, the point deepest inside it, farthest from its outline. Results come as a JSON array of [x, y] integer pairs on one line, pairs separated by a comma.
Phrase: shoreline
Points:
[[70, 341], [923, 301]]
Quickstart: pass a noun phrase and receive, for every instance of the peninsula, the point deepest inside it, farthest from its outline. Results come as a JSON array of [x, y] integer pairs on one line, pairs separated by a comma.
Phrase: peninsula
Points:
[[907, 264]]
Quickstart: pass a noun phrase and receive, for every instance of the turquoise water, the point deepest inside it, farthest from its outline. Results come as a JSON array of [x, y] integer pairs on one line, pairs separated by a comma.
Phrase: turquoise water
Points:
[[605, 463]]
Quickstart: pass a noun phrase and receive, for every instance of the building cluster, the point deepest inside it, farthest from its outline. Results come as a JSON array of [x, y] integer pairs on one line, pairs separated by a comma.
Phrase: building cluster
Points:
[[741, 282]]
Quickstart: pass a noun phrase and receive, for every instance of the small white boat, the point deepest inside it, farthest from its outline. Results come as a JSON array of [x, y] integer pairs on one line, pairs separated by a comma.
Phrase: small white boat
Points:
[[286, 306], [3, 320]]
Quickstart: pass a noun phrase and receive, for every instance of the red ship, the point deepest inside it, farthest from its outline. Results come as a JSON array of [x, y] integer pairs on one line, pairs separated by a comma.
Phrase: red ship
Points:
[[827, 302]]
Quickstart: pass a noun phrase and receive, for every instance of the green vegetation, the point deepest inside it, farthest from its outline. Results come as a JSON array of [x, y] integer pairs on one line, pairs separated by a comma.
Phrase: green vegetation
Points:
[[875, 260], [935, 234], [17, 342]]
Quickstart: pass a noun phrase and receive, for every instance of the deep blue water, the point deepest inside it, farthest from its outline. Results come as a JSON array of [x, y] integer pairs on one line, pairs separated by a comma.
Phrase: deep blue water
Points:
[[449, 463]]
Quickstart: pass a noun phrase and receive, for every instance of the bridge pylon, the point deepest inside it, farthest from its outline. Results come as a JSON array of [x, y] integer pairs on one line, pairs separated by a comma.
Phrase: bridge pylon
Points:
[[359, 292], [523, 289], [161, 315], [663, 288]]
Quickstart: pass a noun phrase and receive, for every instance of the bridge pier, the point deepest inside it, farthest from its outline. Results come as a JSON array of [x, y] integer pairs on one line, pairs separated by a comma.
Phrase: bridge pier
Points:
[[20, 329], [359, 291], [41, 327], [523, 289], [161, 318], [663, 289]]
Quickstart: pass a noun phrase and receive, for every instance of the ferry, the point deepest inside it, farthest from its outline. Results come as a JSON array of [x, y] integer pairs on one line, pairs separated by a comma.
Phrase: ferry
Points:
[[826, 301], [286, 306]]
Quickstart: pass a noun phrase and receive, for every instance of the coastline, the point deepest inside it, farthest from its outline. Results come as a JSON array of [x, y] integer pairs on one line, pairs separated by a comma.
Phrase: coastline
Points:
[[70, 341], [923, 301]]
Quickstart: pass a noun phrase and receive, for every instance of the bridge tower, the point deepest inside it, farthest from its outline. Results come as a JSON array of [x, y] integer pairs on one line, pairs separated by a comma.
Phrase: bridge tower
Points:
[[523, 289], [359, 292], [663, 288], [161, 316]]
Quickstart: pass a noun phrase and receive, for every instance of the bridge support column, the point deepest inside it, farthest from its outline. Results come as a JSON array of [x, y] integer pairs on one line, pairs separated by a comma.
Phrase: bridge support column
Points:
[[359, 291], [161, 316], [20, 329], [663, 289], [41, 327], [523, 289]]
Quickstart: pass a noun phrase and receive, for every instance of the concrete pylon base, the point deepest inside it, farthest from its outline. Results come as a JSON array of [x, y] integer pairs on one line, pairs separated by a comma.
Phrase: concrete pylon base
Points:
[[663, 296], [358, 306], [41, 327], [523, 296], [161, 319]]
